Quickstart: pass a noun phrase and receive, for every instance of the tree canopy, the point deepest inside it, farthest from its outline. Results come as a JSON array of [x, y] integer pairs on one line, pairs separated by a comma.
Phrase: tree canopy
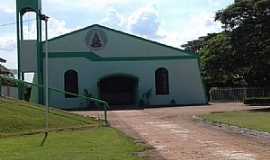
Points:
[[240, 55]]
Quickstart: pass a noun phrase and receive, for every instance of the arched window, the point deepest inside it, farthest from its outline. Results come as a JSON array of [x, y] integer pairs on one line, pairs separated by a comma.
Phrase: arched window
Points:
[[71, 83], [162, 81]]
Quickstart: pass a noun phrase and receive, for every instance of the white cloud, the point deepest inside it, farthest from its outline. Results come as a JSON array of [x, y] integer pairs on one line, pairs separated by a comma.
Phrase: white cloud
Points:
[[9, 8], [171, 38], [217, 2], [87, 4], [145, 22], [7, 43], [197, 26], [8, 48], [201, 24], [57, 27], [114, 19]]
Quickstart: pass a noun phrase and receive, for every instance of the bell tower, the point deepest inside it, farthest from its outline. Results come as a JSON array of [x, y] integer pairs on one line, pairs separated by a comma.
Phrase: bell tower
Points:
[[30, 57]]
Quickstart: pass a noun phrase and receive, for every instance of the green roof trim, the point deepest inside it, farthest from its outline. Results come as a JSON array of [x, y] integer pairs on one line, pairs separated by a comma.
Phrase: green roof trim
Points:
[[93, 57], [188, 53]]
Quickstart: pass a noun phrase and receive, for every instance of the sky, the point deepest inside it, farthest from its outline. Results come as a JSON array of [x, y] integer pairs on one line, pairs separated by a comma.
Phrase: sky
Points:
[[172, 22]]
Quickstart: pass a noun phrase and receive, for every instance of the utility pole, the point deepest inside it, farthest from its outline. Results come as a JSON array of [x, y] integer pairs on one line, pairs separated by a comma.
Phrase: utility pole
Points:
[[46, 18], [46, 74]]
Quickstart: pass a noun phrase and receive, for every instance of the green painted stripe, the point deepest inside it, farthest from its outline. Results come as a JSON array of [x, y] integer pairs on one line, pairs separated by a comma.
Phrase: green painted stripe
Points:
[[89, 55], [93, 57]]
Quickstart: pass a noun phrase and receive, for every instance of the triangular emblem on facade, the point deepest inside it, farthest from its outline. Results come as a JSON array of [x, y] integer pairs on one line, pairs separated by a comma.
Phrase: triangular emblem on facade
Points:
[[96, 39], [96, 42]]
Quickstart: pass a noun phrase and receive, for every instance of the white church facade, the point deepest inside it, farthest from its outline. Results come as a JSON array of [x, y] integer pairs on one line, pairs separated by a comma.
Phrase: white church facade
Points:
[[121, 69]]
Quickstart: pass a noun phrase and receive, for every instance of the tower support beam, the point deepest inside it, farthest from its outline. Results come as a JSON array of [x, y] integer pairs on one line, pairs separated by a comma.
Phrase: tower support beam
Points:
[[24, 6]]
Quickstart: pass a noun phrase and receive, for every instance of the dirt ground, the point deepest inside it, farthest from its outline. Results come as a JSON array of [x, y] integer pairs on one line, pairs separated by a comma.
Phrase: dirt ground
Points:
[[176, 136]]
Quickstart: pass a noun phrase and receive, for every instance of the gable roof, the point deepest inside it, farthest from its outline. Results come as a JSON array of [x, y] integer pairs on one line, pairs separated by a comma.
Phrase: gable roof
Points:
[[4, 70], [2, 60], [123, 33]]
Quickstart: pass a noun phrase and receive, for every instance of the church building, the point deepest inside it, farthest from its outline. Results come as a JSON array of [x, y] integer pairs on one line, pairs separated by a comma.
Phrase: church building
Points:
[[121, 69], [100, 62]]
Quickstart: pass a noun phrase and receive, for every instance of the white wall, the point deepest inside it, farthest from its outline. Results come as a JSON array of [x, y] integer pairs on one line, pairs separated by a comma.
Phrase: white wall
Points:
[[8, 91], [184, 78]]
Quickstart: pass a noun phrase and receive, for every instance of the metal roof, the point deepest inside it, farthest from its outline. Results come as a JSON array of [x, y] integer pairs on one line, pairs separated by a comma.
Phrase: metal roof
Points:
[[2, 60], [4, 70]]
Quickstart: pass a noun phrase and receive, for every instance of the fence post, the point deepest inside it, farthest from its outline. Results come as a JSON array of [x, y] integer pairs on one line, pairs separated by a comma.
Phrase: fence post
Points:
[[20, 90], [105, 107], [210, 95], [245, 93], [105, 115]]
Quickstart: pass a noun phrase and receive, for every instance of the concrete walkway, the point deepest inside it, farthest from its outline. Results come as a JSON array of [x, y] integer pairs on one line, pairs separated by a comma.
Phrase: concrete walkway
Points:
[[176, 136]]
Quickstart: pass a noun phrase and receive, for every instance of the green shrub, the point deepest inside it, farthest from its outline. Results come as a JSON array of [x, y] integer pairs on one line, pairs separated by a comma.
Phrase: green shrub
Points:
[[141, 102], [173, 102], [257, 101]]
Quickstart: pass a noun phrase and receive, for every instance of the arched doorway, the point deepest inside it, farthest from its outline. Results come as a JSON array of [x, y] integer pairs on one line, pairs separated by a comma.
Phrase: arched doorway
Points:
[[119, 89]]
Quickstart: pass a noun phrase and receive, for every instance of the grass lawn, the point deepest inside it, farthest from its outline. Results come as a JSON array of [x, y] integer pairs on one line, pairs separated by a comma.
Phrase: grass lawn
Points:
[[19, 117], [92, 144], [256, 120]]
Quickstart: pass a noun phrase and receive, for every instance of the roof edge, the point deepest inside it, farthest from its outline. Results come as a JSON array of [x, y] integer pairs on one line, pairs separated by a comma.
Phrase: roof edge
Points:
[[124, 33], [2, 60]]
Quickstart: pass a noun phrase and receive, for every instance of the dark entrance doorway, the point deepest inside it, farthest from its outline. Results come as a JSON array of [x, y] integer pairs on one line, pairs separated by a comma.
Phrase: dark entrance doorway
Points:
[[119, 89]]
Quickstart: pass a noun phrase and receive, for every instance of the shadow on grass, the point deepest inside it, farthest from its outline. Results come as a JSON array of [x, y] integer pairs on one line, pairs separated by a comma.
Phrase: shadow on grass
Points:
[[261, 110], [133, 107], [44, 139]]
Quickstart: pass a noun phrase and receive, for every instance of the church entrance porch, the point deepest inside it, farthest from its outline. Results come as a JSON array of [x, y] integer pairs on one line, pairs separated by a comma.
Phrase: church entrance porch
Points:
[[118, 89]]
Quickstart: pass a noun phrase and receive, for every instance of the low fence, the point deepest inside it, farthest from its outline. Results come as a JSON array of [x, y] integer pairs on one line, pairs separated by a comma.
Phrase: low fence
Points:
[[14, 88], [9, 91], [236, 94]]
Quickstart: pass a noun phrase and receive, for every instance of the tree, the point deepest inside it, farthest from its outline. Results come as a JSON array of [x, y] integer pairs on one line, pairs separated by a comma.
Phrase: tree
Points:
[[249, 24], [241, 54], [218, 62], [196, 45]]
